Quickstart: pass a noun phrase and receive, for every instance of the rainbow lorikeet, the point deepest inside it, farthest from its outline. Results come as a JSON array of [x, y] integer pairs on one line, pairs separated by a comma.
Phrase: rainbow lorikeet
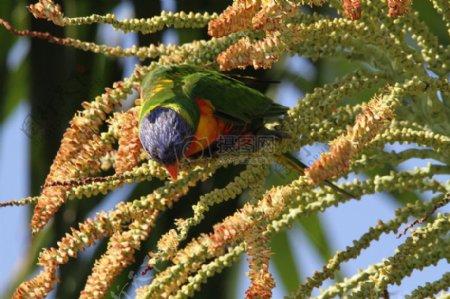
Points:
[[188, 109]]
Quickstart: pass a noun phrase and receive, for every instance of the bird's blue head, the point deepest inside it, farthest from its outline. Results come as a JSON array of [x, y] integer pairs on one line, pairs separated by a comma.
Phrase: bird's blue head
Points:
[[165, 135]]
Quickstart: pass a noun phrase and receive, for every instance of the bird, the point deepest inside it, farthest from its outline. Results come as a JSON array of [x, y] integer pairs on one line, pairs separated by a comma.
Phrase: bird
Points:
[[188, 110]]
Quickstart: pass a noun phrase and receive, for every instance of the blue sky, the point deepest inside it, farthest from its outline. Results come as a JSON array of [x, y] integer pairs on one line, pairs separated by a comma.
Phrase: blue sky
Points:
[[14, 232], [344, 224]]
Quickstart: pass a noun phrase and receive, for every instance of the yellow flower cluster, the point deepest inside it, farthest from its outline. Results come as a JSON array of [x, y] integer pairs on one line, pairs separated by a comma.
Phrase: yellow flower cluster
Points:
[[267, 16], [47, 9], [398, 7], [236, 17], [129, 144], [375, 116], [259, 251], [352, 9], [147, 26]]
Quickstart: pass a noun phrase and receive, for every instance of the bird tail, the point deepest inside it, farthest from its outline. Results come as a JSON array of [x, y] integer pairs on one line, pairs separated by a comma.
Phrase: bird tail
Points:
[[290, 161]]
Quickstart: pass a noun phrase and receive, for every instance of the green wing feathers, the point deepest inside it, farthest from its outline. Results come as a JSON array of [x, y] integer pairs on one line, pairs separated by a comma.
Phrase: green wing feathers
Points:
[[232, 100], [177, 87]]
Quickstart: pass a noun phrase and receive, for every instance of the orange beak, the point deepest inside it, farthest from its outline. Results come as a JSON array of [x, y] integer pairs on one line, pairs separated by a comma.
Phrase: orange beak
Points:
[[173, 170]]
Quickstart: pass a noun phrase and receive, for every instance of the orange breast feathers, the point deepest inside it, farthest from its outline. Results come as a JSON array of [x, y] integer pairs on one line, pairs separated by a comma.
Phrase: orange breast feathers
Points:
[[209, 128]]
